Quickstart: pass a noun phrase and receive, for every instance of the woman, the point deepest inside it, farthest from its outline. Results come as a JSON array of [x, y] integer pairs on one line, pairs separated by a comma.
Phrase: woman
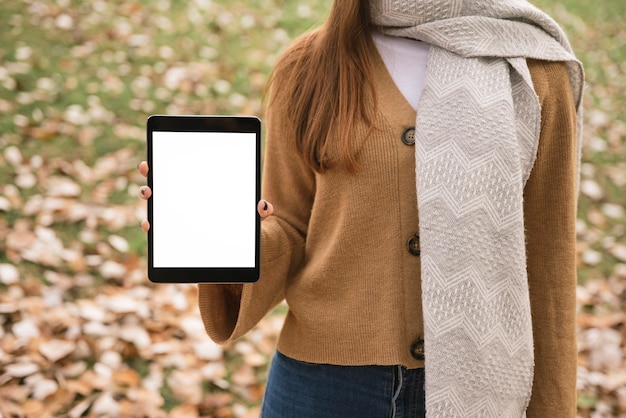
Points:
[[466, 113]]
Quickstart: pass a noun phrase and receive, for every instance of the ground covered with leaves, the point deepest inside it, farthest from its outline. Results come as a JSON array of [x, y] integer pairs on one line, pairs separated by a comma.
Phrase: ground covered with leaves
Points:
[[82, 330]]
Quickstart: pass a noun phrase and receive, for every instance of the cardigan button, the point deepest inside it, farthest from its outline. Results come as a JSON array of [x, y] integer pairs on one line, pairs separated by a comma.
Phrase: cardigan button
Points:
[[413, 245], [417, 349], [408, 136]]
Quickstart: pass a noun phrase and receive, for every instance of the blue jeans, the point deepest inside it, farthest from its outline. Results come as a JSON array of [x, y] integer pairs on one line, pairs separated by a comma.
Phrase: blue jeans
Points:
[[304, 390]]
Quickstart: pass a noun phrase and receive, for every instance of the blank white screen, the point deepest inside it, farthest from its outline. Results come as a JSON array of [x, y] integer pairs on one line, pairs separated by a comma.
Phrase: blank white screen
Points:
[[203, 202]]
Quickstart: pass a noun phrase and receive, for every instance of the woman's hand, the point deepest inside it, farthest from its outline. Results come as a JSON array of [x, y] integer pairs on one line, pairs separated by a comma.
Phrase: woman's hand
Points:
[[264, 208]]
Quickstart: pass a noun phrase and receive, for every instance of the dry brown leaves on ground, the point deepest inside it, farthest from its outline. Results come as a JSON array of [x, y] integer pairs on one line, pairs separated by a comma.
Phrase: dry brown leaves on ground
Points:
[[123, 353]]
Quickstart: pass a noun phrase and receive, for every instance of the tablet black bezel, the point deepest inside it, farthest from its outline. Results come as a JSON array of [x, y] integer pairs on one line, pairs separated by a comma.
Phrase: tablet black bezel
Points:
[[204, 123]]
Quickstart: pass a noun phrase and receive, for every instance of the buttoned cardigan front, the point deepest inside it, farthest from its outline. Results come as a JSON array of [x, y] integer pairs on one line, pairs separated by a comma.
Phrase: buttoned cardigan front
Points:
[[342, 248]]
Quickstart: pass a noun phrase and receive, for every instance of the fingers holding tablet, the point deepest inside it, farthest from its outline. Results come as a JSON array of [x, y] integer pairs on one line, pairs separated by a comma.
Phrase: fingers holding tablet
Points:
[[143, 168], [145, 192], [265, 208]]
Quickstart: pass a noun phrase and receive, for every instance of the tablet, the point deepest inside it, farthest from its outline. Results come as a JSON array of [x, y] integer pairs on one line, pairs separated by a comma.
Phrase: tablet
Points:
[[205, 180]]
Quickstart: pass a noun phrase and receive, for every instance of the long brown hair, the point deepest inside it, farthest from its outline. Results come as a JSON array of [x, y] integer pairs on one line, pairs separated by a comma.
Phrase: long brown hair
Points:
[[326, 81]]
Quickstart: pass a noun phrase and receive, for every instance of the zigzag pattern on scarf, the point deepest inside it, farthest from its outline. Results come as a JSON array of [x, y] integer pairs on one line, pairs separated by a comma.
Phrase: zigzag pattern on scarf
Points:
[[477, 134], [470, 174]]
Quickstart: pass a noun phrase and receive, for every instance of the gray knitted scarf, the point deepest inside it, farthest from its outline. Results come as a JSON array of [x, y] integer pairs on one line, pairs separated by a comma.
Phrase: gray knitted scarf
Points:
[[478, 125]]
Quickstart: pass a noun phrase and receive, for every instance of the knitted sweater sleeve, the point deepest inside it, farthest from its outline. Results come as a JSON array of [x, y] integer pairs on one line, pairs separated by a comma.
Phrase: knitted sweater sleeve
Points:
[[550, 216], [229, 311]]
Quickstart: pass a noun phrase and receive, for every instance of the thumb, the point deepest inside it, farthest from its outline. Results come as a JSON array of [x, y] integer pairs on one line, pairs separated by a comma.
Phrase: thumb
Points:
[[265, 208]]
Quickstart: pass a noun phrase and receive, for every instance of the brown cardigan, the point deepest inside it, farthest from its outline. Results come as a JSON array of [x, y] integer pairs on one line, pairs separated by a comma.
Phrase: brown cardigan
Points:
[[336, 248]]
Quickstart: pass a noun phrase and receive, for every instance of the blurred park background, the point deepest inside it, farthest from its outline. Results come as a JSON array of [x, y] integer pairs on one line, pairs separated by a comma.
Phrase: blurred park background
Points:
[[82, 331]]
